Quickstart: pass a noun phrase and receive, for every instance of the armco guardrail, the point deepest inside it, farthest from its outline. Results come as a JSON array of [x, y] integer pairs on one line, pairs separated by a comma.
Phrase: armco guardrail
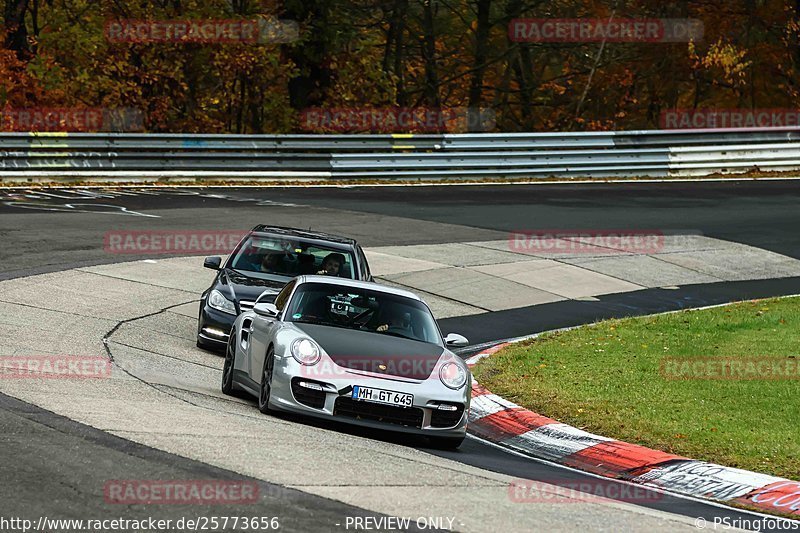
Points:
[[31, 156]]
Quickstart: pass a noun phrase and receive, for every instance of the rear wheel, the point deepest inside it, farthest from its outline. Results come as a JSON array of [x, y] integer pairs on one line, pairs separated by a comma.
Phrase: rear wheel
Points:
[[446, 443], [228, 366], [266, 382]]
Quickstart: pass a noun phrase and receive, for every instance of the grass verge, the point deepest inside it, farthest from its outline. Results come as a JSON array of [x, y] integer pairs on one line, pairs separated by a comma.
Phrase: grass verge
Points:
[[646, 381]]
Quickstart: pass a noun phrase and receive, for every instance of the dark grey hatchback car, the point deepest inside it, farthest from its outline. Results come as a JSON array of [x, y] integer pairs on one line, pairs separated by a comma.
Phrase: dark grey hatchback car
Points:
[[265, 260]]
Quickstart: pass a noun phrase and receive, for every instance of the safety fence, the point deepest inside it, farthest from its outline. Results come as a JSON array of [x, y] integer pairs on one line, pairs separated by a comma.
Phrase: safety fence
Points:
[[658, 153]]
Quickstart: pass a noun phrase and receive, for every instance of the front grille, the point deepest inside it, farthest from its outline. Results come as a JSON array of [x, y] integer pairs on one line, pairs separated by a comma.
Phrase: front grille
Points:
[[310, 397], [447, 419], [388, 414], [246, 305]]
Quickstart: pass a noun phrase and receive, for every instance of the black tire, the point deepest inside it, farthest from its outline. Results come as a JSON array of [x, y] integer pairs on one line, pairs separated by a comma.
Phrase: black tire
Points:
[[446, 443], [227, 367], [266, 382]]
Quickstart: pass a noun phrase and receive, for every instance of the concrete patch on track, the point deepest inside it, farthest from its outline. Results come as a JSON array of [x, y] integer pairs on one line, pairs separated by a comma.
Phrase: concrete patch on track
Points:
[[475, 288], [490, 275], [164, 393]]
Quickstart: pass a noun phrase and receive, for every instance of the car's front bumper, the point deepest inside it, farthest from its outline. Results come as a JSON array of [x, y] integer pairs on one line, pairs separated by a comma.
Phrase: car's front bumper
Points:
[[425, 417], [214, 326]]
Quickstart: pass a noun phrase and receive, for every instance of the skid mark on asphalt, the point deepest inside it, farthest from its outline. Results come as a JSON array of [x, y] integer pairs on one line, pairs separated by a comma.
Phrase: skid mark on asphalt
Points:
[[42, 200], [162, 355], [86, 208], [60, 311], [129, 280]]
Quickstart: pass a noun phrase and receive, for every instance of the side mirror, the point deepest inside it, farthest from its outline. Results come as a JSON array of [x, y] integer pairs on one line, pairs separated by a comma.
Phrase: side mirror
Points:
[[212, 262], [265, 309], [454, 339]]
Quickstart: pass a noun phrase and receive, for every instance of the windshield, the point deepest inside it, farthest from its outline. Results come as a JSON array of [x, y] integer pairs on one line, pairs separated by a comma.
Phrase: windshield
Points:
[[290, 257], [363, 309]]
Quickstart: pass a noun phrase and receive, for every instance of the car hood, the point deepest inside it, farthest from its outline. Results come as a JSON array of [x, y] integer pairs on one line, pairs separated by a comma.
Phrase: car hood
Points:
[[241, 287], [374, 352]]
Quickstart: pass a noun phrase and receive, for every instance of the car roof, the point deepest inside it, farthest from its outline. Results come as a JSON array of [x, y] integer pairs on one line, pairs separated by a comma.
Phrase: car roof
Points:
[[370, 285], [304, 234]]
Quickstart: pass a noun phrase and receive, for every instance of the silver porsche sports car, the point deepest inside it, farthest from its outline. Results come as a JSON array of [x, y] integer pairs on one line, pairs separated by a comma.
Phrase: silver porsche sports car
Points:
[[353, 351]]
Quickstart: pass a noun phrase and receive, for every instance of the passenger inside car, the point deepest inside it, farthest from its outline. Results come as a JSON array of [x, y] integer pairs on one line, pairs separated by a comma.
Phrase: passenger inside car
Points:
[[332, 264], [306, 263]]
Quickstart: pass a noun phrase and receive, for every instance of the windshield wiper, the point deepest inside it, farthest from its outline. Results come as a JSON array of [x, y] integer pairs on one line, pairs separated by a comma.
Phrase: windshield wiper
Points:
[[322, 323], [395, 334], [364, 314]]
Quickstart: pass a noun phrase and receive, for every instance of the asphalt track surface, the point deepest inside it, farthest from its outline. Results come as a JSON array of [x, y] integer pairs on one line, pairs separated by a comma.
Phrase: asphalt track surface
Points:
[[59, 230]]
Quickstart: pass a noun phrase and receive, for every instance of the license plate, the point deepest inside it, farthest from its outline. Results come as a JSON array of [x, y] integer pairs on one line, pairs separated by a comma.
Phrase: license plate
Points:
[[368, 394]]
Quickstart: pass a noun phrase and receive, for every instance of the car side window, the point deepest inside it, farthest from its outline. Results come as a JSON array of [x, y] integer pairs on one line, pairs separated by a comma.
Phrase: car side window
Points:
[[283, 297]]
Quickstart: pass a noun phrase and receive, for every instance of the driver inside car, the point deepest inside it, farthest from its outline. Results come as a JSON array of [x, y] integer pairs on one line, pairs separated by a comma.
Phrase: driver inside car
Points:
[[271, 263], [396, 321]]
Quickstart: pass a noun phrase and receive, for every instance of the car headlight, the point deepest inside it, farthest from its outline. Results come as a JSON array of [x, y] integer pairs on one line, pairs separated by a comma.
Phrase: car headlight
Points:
[[453, 375], [217, 301], [306, 352]]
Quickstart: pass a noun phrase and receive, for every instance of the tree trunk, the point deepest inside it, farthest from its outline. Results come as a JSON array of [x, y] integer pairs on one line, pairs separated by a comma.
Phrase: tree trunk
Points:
[[309, 87], [520, 61], [394, 51], [17, 33], [431, 92], [479, 66]]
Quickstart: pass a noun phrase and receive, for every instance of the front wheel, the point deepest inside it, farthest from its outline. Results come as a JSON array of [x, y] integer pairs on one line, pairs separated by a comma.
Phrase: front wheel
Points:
[[266, 382], [228, 366], [446, 443]]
